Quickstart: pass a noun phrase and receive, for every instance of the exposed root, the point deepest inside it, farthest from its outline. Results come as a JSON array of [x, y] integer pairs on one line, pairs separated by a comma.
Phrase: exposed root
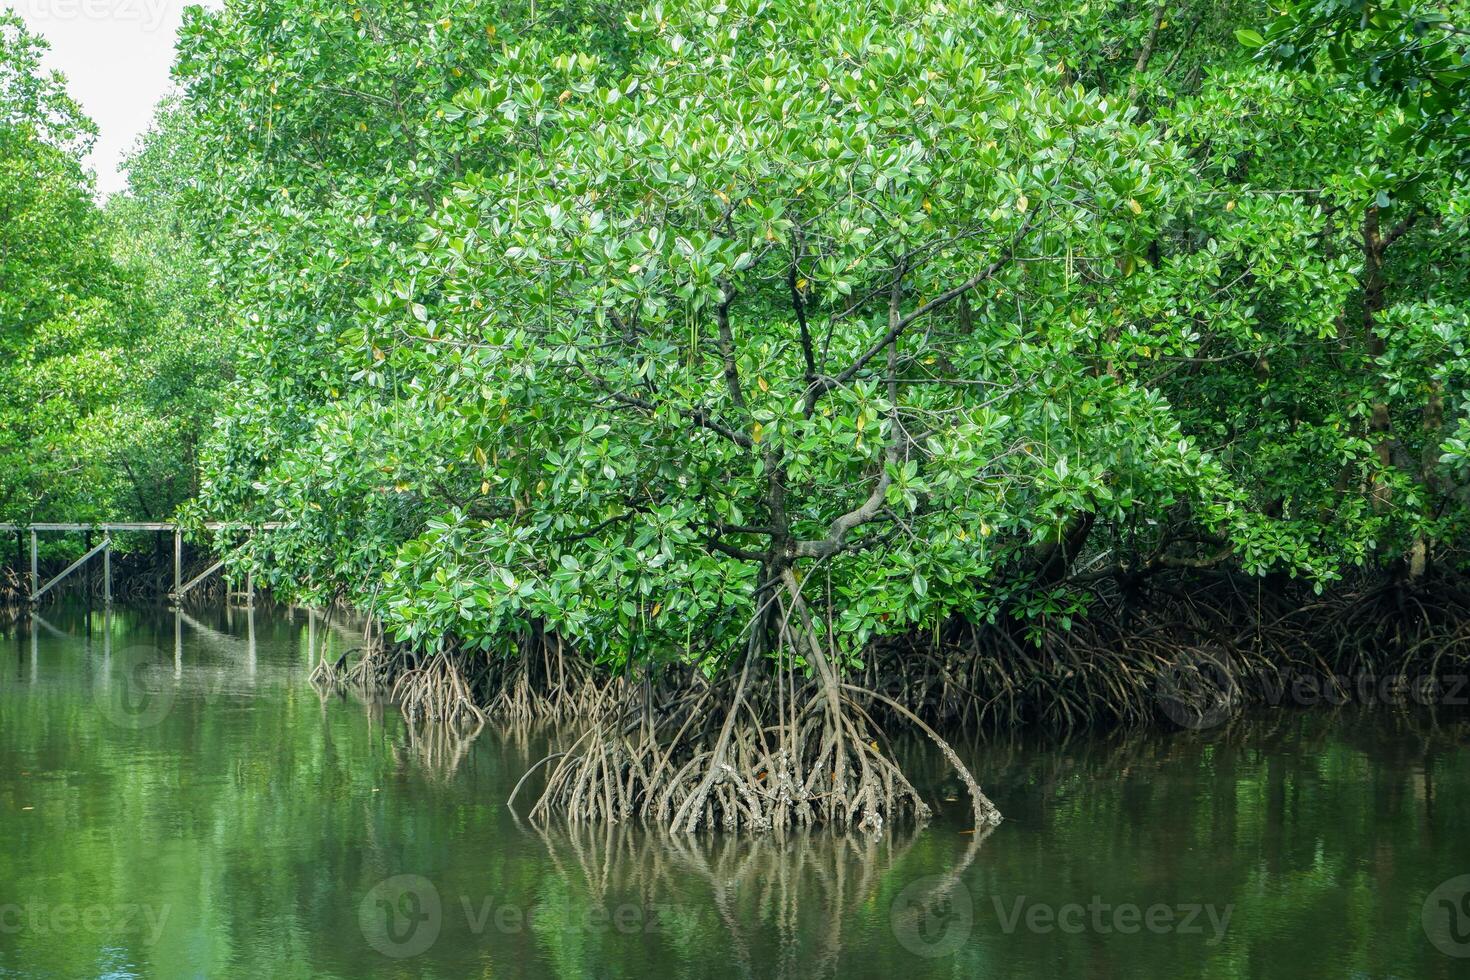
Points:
[[1187, 652], [544, 682], [436, 691], [373, 669], [789, 742], [771, 751]]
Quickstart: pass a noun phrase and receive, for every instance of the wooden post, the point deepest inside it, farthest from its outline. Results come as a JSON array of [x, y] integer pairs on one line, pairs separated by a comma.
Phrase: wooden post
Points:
[[178, 561], [35, 569], [107, 572], [87, 546], [250, 641], [62, 575]]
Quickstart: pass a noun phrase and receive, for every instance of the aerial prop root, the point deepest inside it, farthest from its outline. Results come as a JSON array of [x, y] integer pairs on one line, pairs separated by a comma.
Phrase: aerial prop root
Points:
[[770, 749], [729, 760], [437, 690]]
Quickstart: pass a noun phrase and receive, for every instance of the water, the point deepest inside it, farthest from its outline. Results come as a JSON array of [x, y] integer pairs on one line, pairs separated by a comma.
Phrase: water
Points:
[[177, 800]]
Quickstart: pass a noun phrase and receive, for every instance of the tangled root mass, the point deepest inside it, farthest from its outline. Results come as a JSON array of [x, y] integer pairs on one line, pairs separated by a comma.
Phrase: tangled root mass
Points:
[[788, 743]]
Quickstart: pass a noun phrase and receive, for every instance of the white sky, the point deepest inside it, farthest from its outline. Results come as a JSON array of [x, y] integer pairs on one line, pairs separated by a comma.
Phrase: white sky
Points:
[[115, 55]]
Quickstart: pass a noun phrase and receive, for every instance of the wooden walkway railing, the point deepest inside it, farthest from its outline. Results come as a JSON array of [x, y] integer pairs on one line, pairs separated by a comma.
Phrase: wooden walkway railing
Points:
[[107, 529]]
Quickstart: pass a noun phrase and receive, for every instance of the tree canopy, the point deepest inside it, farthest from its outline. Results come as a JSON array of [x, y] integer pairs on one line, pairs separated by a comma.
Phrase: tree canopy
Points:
[[566, 317], [101, 396]]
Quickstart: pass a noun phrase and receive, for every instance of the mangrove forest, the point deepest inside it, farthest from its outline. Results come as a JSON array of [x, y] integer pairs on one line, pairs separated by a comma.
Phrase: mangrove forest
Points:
[[739, 448]]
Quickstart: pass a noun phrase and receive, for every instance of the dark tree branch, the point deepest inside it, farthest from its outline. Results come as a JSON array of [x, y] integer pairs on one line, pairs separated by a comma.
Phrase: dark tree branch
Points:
[[839, 529], [1147, 52], [898, 324]]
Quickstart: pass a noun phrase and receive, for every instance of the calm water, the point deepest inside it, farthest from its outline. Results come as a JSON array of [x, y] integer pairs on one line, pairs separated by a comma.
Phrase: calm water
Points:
[[177, 800]]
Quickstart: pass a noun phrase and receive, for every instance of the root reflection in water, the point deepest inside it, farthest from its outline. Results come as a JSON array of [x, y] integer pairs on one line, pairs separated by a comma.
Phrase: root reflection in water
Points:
[[778, 903]]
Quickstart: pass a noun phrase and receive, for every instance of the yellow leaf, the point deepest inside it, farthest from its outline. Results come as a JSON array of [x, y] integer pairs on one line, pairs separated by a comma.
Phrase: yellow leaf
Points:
[[755, 435], [489, 30], [566, 94], [1022, 203], [484, 486], [1229, 205], [1134, 206], [761, 383], [928, 208], [480, 455], [801, 285], [357, 15]]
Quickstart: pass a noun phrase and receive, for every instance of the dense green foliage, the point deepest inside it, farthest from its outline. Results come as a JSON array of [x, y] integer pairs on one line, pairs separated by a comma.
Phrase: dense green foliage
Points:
[[610, 320], [604, 319], [1415, 52], [106, 350]]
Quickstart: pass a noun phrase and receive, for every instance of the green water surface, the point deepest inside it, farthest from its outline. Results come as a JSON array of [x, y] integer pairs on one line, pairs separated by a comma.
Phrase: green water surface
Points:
[[177, 800]]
